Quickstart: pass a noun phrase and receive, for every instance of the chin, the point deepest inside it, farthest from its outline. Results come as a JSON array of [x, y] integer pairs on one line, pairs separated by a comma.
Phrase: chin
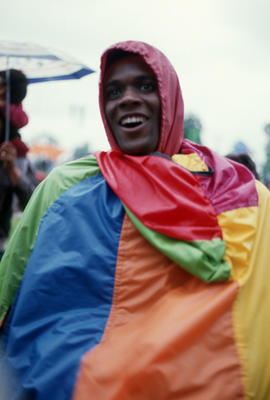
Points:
[[139, 150]]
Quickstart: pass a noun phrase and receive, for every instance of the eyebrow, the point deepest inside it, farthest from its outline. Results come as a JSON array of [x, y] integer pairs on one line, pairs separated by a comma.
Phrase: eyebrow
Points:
[[111, 83], [138, 78]]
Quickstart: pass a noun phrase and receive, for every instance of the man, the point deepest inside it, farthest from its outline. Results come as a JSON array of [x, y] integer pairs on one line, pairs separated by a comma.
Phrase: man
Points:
[[138, 272]]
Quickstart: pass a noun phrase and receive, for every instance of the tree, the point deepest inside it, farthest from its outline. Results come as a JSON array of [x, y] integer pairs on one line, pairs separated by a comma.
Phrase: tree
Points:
[[192, 128]]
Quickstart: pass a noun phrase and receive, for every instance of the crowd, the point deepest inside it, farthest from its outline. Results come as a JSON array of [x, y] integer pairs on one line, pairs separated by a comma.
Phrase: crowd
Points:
[[138, 273]]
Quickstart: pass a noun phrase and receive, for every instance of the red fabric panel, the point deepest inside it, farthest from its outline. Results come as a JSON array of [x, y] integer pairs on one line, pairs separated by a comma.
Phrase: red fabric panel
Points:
[[232, 184], [162, 195]]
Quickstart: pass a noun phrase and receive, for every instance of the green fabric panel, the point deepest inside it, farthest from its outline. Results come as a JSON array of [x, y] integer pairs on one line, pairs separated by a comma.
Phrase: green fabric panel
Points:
[[204, 259], [23, 239]]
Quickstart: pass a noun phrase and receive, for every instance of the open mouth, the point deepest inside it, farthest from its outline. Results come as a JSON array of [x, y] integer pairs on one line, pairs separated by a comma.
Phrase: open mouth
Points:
[[132, 121]]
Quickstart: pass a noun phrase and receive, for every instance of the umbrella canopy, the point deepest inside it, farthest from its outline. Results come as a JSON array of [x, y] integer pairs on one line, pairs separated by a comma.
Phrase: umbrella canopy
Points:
[[38, 64]]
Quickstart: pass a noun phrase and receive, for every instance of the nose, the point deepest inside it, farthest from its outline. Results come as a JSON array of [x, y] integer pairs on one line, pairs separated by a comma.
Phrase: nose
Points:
[[130, 97]]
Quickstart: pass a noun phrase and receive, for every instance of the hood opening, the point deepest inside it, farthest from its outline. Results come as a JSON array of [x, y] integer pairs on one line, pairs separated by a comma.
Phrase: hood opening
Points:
[[172, 107]]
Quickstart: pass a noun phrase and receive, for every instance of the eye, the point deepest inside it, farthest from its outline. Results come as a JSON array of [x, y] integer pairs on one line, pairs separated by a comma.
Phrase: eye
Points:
[[148, 86], [112, 93]]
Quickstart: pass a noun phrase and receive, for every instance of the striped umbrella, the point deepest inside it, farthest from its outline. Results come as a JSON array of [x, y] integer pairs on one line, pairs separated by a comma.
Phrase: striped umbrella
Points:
[[39, 64]]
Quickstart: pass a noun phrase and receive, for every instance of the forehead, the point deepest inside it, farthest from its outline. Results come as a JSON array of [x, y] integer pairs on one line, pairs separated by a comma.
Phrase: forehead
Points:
[[133, 66]]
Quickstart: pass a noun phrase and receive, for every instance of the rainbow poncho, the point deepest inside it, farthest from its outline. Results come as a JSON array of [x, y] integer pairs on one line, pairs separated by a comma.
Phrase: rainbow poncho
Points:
[[136, 291]]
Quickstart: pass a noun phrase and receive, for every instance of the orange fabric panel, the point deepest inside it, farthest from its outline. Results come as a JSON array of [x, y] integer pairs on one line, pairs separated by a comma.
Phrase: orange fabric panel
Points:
[[169, 335]]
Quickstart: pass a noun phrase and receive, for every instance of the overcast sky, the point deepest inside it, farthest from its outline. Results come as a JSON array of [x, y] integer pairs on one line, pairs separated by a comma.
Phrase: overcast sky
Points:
[[220, 49]]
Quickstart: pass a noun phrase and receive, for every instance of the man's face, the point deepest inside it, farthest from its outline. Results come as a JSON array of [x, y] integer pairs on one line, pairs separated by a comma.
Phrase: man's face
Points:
[[132, 106]]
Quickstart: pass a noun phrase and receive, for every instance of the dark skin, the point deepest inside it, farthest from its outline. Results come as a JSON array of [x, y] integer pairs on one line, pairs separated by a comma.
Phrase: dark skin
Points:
[[132, 106]]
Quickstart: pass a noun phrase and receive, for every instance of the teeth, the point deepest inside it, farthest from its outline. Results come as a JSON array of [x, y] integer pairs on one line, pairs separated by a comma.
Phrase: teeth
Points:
[[132, 120]]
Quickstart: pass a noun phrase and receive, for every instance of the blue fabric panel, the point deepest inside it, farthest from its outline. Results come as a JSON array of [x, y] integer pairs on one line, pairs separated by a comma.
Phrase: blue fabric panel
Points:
[[66, 293]]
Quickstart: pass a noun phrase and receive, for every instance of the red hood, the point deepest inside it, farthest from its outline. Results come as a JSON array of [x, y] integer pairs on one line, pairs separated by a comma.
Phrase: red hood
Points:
[[172, 107]]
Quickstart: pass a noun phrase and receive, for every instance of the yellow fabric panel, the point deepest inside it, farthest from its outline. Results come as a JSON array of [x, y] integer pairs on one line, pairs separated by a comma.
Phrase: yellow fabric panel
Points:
[[252, 308], [238, 230], [192, 162]]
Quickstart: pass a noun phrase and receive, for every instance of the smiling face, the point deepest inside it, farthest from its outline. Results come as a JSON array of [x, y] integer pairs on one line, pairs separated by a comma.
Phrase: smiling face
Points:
[[132, 106]]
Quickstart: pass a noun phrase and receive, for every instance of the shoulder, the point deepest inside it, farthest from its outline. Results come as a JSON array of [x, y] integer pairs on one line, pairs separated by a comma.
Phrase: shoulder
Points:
[[65, 176]]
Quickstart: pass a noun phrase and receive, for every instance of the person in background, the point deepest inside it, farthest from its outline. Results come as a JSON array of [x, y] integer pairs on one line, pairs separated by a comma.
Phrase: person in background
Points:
[[245, 159], [17, 176], [18, 90], [141, 272]]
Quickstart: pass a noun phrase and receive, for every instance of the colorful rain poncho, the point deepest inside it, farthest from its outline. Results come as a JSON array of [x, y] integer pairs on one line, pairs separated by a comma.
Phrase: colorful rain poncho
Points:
[[141, 277]]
